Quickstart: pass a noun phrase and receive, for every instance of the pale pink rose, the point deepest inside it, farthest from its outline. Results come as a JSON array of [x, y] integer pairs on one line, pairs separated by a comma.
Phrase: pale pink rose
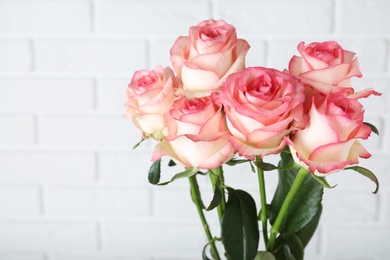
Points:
[[330, 142], [326, 66], [262, 107], [197, 136], [203, 59], [149, 96]]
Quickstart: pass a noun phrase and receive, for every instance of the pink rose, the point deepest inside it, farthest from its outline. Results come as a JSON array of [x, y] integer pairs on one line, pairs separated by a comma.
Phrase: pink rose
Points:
[[330, 140], [149, 96], [325, 67], [262, 107], [197, 136], [207, 56]]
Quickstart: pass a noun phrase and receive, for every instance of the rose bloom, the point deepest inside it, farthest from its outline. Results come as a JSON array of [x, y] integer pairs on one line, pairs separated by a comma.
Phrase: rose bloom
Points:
[[149, 96], [203, 59], [326, 66], [262, 107], [197, 135], [330, 141]]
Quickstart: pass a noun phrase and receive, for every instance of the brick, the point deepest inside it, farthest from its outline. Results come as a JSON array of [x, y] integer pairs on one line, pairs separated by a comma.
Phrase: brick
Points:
[[170, 202], [21, 256], [157, 17], [92, 55], [112, 94], [348, 179], [46, 93], [17, 130], [256, 55], [108, 202], [97, 256], [346, 205], [371, 52], [15, 54], [47, 235], [177, 237], [373, 242], [374, 104], [92, 131], [374, 20], [50, 166], [19, 201], [45, 17], [276, 17], [160, 50], [125, 167]]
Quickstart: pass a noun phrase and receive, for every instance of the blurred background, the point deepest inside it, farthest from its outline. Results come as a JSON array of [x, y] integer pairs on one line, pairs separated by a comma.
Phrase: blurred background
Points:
[[72, 188]]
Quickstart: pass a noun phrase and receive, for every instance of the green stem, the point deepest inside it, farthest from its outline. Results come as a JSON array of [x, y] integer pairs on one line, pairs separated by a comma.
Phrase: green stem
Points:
[[283, 210], [195, 194], [216, 175], [263, 199]]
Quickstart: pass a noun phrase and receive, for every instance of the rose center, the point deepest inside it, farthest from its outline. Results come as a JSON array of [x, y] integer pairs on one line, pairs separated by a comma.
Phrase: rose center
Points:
[[210, 33], [261, 86]]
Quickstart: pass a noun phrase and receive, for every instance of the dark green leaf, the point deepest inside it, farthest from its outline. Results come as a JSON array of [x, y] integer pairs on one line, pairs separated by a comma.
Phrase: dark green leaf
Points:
[[217, 198], [204, 254], [263, 255], [187, 173], [366, 172], [265, 166], [171, 163], [137, 144], [240, 230], [233, 161], [306, 233], [295, 246], [154, 172], [323, 181], [305, 204], [373, 128]]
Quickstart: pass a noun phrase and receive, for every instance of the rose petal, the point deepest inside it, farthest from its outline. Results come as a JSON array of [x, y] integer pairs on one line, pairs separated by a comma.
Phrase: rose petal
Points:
[[319, 132], [195, 79]]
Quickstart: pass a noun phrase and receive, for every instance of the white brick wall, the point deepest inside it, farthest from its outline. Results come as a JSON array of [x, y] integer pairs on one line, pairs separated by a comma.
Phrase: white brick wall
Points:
[[71, 188]]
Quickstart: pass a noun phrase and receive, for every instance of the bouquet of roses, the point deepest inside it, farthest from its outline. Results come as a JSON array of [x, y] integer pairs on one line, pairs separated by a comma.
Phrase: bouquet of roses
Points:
[[211, 110]]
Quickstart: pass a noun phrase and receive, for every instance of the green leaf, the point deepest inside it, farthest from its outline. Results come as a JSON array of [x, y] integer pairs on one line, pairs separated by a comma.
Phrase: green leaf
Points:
[[137, 144], [154, 172], [373, 128], [323, 181], [307, 232], [263, 255], [171, 163], [233, 161], [240, 230], [295, 246], [305, 204], [265, 166], [204, 254], [366, 172], [217, 198], [187, 173]]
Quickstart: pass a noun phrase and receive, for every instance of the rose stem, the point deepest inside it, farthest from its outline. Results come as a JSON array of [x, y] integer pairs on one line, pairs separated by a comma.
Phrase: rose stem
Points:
[[215, 176], [195, 194], [283, 210], [263, 211]]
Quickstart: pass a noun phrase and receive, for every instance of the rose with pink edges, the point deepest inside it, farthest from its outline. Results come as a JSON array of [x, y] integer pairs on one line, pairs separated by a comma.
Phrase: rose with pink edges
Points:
[[197, 135], [149, 96], [203, 59], [330, 141], [262, 106]]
